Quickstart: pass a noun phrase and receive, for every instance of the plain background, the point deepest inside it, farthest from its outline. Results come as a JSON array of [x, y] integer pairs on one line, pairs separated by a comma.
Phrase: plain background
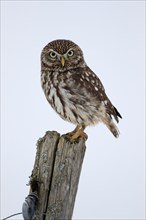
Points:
[[111, 34]]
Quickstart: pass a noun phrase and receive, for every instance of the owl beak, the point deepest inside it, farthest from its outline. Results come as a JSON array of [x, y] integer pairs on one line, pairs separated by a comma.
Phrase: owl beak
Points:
[[62, 61]]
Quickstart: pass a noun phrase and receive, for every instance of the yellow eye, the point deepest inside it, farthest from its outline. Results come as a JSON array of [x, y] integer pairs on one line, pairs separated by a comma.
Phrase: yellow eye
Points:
[[52, 54], [70, 53]]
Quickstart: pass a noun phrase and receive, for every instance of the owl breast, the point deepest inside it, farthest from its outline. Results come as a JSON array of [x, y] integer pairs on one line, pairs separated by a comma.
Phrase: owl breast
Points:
[[69, 98]]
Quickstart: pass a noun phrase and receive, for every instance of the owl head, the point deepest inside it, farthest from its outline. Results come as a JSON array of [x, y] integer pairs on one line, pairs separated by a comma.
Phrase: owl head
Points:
[[61, 55]]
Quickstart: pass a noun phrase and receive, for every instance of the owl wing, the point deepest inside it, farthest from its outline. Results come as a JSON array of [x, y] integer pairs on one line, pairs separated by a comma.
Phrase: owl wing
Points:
[[90, 86]]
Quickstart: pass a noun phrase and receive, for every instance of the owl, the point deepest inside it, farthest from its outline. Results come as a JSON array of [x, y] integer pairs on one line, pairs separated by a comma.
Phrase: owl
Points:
[[73, 90]]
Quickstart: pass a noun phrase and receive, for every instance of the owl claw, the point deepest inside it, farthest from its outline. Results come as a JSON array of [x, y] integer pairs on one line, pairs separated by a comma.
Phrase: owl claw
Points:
[[73, 136]]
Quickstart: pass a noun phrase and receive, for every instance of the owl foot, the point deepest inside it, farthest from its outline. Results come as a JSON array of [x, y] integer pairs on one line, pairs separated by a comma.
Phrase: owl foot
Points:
[[77, 133]]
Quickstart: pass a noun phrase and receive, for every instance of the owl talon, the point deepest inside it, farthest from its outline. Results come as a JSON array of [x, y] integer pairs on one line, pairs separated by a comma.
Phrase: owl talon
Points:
[[73, 136], [79, 134]]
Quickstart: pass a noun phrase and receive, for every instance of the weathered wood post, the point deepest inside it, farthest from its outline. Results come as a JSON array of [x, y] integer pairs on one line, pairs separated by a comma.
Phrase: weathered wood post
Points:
[[57, 168]]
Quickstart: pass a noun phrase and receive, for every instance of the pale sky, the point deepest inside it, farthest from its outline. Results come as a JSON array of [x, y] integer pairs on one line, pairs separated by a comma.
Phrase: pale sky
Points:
[[111, 35]]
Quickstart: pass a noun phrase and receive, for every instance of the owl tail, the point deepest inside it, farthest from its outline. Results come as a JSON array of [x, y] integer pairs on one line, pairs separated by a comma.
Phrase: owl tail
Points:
[[111, 126], [113, 129]]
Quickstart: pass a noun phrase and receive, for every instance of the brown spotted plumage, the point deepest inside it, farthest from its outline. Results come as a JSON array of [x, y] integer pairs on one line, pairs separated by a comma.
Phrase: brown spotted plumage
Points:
[[73, 89]]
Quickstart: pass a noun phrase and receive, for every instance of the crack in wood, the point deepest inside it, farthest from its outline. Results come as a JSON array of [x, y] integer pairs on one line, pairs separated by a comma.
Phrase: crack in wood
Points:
[[57, 168]]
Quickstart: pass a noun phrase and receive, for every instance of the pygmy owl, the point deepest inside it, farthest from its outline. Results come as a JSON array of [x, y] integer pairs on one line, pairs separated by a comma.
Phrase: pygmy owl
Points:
[[73, 90]]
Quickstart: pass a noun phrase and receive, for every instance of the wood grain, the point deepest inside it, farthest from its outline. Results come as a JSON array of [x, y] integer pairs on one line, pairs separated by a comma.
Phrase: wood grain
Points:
[[57, 169]]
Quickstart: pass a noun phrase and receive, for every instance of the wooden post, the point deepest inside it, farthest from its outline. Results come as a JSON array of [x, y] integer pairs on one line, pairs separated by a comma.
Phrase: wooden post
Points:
[[56, 174]]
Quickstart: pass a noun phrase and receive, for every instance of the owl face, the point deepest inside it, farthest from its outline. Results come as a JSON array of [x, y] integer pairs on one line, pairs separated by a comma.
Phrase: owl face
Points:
[[61, 55]]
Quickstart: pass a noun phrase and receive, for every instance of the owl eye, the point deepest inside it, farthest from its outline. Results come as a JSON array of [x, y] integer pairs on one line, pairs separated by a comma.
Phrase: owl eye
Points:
[[70, 53], [52, 54]]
